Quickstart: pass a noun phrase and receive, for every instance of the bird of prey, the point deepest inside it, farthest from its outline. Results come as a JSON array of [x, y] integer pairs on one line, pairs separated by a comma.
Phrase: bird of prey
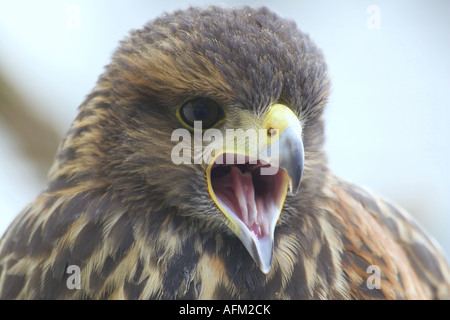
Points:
[[149, 199]]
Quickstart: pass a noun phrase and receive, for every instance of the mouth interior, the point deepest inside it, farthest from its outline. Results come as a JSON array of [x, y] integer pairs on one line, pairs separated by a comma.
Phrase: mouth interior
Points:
[[253, 198]]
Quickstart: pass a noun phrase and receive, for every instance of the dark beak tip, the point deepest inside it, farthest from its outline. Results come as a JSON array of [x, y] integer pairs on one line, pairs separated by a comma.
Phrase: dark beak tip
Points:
[[294, 186], [292, 158]]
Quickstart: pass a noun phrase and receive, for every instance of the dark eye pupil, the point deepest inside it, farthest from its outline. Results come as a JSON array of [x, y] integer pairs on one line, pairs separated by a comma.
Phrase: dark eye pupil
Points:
[[201, 112], [201, 109]]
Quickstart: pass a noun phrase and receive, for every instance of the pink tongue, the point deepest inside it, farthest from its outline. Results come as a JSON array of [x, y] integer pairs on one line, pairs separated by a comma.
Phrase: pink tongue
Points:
[[245, 196]]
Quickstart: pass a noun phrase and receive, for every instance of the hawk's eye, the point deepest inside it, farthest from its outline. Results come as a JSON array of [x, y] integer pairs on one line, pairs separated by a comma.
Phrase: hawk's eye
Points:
[[201, 109]]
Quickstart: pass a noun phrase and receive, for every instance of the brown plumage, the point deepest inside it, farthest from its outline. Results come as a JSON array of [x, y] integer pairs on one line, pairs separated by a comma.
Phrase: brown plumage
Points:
[[139, 226]]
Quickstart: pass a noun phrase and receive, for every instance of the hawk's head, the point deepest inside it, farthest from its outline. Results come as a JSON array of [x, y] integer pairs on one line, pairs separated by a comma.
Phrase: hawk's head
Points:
[[212, 114]]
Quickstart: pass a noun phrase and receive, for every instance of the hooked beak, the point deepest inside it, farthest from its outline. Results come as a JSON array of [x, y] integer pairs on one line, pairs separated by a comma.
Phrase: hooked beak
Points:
[[250, 187]]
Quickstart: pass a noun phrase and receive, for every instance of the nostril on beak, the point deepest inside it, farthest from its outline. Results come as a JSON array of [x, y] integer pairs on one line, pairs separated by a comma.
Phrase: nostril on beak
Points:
[[271, 132]]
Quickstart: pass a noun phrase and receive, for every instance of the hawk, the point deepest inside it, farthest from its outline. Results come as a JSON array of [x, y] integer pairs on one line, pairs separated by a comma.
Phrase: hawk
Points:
[[149, 198]]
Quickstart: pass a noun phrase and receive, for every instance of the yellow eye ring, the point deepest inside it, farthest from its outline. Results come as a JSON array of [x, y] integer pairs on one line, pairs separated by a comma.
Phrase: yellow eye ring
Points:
[[205, 110]]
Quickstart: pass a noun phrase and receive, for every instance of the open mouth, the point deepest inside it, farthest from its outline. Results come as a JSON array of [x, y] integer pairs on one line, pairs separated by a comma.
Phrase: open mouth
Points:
[[250, 186], [251, 199]]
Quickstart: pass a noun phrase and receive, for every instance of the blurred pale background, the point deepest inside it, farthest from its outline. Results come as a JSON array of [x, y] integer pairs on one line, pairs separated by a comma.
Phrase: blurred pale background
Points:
[[388, 116]]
